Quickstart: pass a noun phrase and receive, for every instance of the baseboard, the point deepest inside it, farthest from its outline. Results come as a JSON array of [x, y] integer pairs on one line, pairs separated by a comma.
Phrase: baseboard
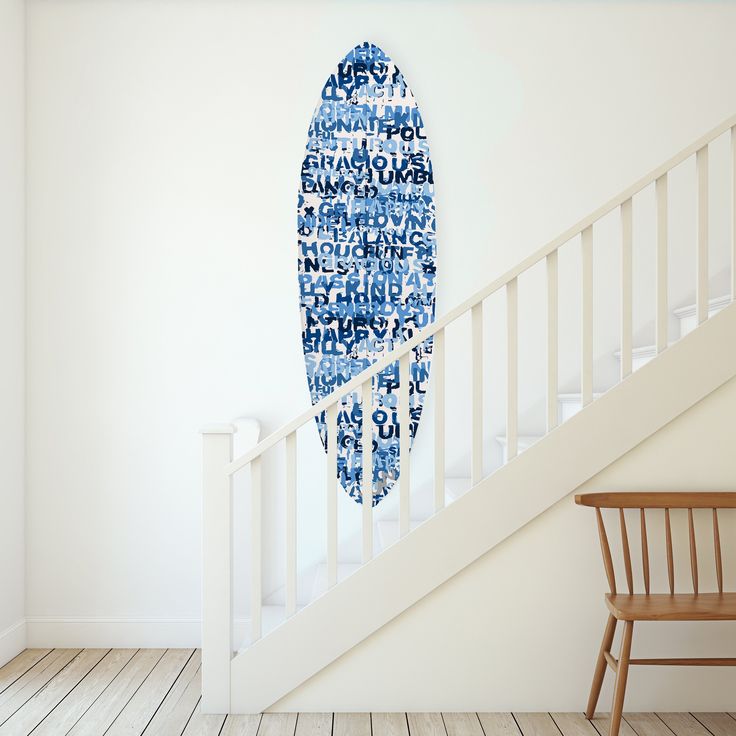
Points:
[[118, 632], [12, 641]]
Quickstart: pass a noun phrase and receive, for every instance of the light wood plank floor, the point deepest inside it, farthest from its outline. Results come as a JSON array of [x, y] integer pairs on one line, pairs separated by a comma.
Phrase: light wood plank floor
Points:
[[156, 692]]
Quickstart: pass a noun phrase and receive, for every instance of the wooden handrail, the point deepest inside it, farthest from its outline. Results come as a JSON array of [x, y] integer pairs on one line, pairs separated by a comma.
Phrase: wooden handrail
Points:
[[551, 247], [659, 500]]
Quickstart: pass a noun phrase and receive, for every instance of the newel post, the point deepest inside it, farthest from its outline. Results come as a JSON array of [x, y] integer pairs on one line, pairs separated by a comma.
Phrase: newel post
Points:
[[217, 644]]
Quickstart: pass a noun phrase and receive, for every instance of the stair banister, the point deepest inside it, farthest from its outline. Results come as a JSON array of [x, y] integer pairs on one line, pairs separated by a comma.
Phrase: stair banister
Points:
[[476, 362], [701, 271], [661, 321], [256, 550], [552, 340], [552, 246], [512, 372], [367, 489], [291, 524], [438, 370], [586, 312], [405, 477]]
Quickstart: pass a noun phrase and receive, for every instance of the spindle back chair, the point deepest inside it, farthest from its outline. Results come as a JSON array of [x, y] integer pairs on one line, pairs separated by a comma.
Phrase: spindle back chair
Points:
[[647, 606]]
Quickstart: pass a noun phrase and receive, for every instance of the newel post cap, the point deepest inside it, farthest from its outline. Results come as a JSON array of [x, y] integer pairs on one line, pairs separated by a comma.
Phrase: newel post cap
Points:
[[225, 428]]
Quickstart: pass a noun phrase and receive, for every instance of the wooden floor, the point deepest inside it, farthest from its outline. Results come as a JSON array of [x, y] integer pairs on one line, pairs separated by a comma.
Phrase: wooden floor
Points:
[[52, 692]]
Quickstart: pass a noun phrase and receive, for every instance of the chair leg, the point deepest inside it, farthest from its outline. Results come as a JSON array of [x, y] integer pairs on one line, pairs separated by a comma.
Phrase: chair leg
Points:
[[600, 666], [622, 673]]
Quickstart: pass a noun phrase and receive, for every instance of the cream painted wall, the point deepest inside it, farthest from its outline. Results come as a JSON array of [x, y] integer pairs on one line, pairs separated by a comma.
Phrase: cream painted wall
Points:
[[162, 171], [12, 345], [519, 629]]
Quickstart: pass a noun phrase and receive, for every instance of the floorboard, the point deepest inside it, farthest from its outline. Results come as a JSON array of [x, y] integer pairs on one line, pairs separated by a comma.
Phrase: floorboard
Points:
[[602, 723], [462, 724], [647, 724], [277, 724], [426, 724], [101, 714], [573, 724], [176, 719], [204, 725], [499, 724], [36, 683], [31, 713], [536, 724], [19, 665], [69, 710], [248, 725], [313, 724], [719, 724], [684, 724], [183, 682], [19, 683], [351, 724], [140, 709], [389, 724], [157, 692]]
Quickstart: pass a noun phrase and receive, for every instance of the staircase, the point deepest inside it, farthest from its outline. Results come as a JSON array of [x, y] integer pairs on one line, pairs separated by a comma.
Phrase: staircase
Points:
[[407, 555], [571, 403]]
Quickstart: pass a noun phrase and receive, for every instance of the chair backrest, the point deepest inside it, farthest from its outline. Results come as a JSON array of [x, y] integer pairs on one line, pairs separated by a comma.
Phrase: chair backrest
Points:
[[666, 502]]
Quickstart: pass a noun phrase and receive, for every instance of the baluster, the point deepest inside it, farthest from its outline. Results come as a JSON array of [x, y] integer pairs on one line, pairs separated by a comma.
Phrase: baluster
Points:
[[733, 213], [367, 487], [644, 550], [476, 452], [626, 290], [670, 558], [290, 524], [661, 324], [331, 495], [693, 551], [717, 549], [512, 402], [701, 162], [552, 342], [605, 548], [438, 370], [586, 377], [626, 551], [404, 442], [255, 549]]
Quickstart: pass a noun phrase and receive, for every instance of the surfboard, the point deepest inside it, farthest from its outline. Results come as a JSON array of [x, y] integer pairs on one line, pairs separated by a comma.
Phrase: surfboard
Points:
[[367, 255]]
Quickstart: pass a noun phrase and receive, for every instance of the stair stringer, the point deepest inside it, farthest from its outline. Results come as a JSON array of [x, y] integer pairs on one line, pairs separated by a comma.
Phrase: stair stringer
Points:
[[487, 514]]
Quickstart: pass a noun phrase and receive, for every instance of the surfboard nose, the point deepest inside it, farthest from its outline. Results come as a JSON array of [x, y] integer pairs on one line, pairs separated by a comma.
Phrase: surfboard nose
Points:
[[367, 51]]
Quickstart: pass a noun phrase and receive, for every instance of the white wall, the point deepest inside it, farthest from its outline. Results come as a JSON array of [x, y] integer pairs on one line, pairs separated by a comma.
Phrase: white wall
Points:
[[12, 341], [520, 628], [162, 171]]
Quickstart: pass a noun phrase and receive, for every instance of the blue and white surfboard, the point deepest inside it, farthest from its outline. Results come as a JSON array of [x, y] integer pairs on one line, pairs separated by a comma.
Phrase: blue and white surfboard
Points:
[[367, 251]]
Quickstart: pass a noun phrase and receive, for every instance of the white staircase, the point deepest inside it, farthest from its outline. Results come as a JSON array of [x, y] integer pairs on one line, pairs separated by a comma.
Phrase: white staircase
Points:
[[389, 531], [687, 322], [386, 532], [571, 403], [461, 519]]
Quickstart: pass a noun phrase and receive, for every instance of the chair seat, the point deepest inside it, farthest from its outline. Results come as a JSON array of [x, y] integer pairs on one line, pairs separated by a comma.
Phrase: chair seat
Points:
[[678, 607]]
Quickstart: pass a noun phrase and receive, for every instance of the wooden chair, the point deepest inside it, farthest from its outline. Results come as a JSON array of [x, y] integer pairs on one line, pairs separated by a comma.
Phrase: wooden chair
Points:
[[648, 606]]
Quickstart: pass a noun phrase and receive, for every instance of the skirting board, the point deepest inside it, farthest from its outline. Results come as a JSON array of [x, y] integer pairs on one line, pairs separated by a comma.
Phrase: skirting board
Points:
[[119, 632], [12, 641]]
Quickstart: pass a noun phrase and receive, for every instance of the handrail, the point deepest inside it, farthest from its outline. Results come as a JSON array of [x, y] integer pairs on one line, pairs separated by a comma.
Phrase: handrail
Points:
[[553, 245]]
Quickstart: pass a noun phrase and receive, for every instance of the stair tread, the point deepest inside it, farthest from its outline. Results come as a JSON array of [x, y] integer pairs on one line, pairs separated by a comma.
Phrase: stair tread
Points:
[[717, 302]]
